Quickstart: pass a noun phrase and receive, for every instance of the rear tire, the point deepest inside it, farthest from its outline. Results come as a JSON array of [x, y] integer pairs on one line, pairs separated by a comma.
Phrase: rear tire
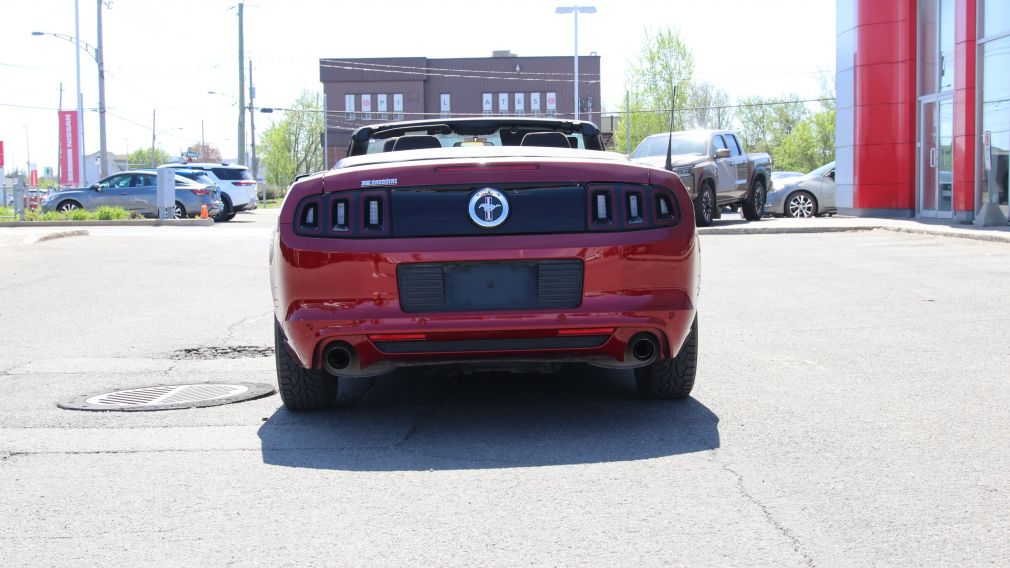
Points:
[[754, 206], [179, 212], [704, 206], [301, 388], [226, 214], [671, 378]]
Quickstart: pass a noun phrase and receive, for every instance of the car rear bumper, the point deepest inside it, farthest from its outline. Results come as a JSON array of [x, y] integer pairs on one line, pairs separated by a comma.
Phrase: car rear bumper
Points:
[[332, 293], [252, 204]]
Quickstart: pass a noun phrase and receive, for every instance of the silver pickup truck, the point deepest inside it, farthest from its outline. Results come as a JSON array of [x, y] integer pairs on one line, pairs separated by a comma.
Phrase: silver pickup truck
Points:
[[714, 169]]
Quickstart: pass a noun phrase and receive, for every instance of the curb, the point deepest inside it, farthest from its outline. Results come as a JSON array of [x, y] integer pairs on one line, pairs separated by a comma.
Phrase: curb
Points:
[[978, 235], [61, 235], [123, 223]]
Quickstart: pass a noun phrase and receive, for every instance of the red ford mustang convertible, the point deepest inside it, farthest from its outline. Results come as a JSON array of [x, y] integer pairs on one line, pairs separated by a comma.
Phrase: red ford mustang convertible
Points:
[[497, 243]]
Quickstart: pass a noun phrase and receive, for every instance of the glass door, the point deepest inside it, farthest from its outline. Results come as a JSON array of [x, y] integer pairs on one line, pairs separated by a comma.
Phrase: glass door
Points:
[[936, 159]]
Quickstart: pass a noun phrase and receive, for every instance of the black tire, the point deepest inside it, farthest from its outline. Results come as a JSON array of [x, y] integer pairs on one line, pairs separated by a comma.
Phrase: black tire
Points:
[[301, 388], [226, 214], [800, 204], [754, 205], [68, 205], [704, 206], [671, 378], [180, 211]]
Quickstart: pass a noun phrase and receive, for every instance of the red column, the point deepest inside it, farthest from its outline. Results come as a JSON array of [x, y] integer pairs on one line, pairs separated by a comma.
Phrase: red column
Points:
[[885, 105], [964, 105]]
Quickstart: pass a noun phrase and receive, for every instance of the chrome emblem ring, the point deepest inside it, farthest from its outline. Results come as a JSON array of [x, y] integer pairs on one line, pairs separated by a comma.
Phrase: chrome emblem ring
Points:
[[489, 208]]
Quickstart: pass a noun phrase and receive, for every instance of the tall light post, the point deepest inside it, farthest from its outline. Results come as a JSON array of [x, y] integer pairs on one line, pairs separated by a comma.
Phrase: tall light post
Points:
[[575, 10], [96, 54]]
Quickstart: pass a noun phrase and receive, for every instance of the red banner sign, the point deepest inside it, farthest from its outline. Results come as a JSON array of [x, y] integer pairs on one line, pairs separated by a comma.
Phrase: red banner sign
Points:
[[69, 153], [1, 155]]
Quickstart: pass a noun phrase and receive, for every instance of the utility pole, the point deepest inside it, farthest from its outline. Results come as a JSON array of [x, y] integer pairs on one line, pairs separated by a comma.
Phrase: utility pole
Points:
[[252, 120], [203, 144], [154, 115], [103, 156], [241, 88], [326, 133], [627, 120]]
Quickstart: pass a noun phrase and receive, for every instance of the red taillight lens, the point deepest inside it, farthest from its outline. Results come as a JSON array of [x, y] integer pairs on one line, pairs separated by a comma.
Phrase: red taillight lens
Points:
[[244, 182], [628, 207], [488, 168], [200, 191]]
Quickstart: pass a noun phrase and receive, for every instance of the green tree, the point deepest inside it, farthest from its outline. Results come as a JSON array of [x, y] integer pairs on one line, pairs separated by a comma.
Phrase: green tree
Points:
[[765, 122], [811, 143], [142, 158], [664, 62], [293, 146], [707, 107]]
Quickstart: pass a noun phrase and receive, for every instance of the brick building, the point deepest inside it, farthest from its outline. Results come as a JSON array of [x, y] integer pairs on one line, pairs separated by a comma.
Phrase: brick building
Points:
[[367, 91]]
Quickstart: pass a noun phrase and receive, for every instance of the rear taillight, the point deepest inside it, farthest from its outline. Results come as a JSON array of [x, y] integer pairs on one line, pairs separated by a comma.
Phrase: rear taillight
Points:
[[244, 182], [344, 214], [201, 191], [616, 207]]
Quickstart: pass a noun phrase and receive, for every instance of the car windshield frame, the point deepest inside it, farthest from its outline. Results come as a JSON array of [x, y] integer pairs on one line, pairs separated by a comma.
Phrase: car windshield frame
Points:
[[823, 170]]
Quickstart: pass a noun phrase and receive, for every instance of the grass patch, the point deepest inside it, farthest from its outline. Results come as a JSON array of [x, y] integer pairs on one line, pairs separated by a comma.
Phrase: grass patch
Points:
[[103, 213]]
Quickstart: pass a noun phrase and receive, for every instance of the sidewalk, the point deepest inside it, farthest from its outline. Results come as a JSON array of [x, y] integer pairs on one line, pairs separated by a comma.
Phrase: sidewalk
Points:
[[733, 225]]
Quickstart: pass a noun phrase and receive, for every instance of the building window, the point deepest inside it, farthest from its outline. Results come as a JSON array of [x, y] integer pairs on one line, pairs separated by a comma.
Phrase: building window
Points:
[[552, 104], [349, 107], [503, 104], [445, 105], [994, 139], [488, 104], [520, 104], [535, 105], [398, 106], [936, 46], [366, 107], [996, 17], [382, 107]]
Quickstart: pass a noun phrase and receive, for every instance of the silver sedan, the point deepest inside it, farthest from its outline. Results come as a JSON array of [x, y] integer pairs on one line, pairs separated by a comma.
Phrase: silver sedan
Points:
[[807, 196]]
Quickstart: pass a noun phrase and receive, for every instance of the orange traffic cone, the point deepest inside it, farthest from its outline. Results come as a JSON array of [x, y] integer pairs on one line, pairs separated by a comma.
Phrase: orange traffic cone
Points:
[[203, 211]]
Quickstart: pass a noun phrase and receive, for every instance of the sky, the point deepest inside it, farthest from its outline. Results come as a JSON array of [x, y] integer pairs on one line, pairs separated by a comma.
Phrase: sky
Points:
[[165, 55]]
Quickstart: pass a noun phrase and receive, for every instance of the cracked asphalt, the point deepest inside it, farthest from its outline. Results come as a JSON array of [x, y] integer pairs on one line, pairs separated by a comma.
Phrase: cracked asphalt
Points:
[[851, 409]]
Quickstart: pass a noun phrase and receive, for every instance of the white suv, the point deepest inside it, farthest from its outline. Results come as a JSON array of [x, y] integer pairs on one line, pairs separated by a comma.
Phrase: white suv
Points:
[[238, 188]]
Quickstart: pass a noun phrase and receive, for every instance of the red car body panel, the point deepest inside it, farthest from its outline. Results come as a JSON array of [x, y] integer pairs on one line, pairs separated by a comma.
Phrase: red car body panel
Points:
[[333, 289]]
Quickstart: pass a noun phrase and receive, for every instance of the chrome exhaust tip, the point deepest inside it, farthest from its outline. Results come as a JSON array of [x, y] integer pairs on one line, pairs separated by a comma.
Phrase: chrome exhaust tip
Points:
[[337, 357], [644, 348]]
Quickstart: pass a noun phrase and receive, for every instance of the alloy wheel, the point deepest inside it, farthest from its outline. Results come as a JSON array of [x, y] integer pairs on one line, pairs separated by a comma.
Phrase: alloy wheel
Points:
[[68, 206], [800, 205]]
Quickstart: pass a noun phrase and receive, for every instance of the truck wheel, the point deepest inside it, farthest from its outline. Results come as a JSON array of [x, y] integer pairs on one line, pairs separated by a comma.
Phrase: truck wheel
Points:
[[704, 206], [801, 204], [671, 378], [301, 388], [754, 206]]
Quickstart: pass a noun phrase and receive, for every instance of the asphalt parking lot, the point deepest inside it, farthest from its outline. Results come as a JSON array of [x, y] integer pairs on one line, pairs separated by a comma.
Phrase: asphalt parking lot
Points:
[[852, 408]]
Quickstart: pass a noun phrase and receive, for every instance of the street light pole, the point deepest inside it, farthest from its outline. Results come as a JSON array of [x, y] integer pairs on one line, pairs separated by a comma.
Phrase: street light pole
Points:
[[575, 10], [81, 174], [103, 156], [241, 87]]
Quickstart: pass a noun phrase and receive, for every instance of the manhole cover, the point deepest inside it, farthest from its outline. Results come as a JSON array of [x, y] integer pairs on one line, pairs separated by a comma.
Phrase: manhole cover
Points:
[[168, 397]]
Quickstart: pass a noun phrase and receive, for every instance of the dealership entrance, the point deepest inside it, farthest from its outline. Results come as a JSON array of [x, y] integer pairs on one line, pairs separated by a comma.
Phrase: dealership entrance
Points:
[[936, 157]]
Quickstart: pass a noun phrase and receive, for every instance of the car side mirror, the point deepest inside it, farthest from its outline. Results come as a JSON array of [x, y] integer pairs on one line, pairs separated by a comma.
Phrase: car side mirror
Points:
[[97, 187], [722, 153], [832, 174]]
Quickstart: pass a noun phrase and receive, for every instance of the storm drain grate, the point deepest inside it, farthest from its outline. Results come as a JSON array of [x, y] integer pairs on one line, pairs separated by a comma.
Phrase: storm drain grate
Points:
[[167, 397]]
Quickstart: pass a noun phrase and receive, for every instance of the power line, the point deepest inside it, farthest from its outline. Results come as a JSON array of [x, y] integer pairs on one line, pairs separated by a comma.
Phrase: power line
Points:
[[416, 67]]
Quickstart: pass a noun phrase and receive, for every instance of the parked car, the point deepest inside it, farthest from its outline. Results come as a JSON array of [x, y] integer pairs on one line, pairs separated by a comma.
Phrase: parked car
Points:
[[136, 191], [807, 196], [777, 175], [238, 188], [714, 169], [510, 250]]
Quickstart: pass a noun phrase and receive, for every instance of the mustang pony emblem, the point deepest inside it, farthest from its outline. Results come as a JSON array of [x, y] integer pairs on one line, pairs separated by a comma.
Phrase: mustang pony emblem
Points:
[[488, 208]]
